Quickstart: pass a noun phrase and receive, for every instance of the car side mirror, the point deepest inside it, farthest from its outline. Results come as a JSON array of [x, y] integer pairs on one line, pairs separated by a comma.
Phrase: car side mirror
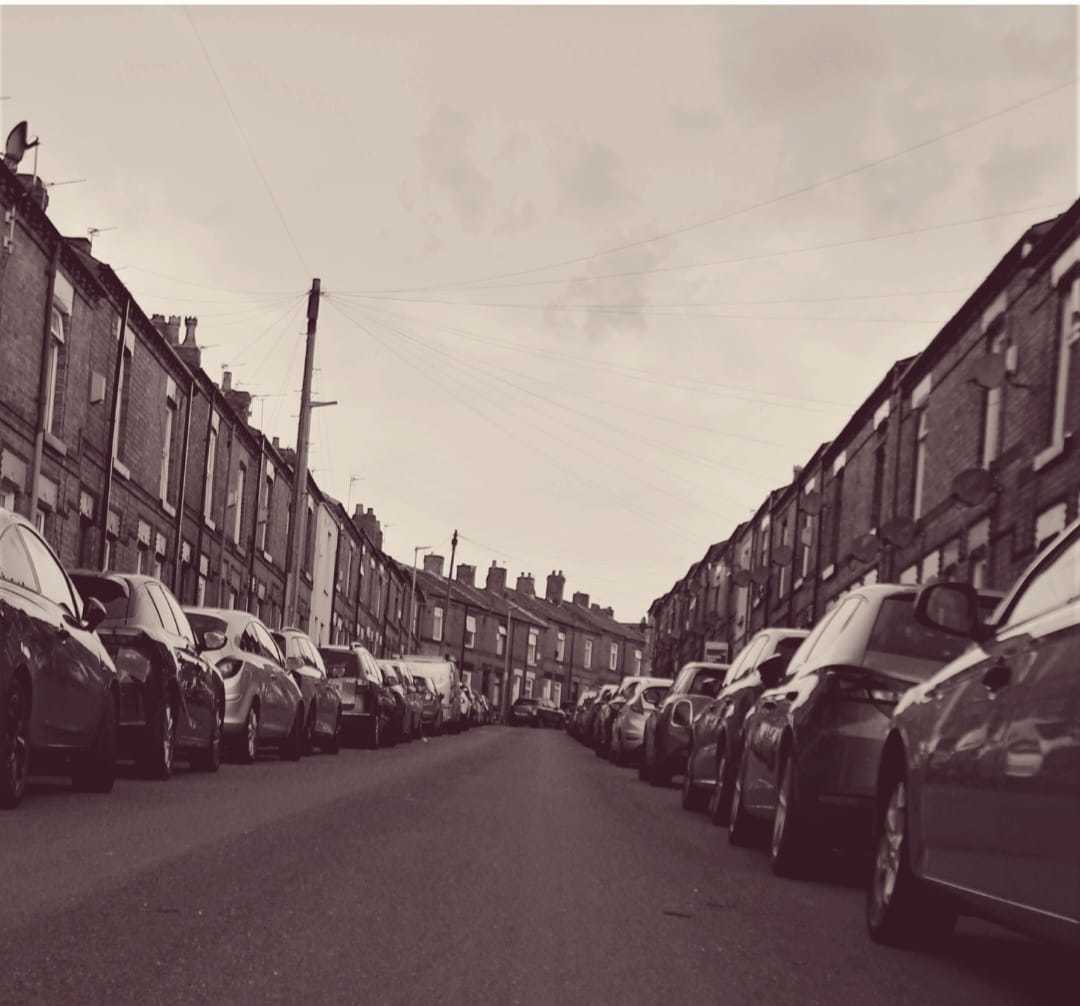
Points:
[[212, 640], [952, 608], [771, 670], [93, 613]]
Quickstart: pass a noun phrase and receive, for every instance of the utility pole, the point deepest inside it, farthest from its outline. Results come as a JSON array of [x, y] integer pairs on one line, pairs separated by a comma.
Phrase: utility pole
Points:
[[297, 529], [506, 673], [412, 595], [449, 577]]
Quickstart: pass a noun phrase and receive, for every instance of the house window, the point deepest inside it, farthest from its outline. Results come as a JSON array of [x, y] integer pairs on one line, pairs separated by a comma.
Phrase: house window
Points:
[[613, 657], [127, 348], [470, 632], [920, 465], [806, 544], [637, 663], [309, 538], [56, 364], [437, 624], [1069, 337], [142, 561], [1048, 524], [910, 575], [978, 551], [545, 692], [931, 566], [587, 660], [879, 486], [560, 646], [211, 461], [834, 516], [238, 514], [166, 449], [530, 680], [530, 657], [500, 640], [264, 517], [556, 692], [993, 403]]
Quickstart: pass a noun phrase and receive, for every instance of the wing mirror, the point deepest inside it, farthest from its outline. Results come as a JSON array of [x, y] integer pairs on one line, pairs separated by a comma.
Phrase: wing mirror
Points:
[[93, 613], [952, 608], [212, 640], [771, 670]]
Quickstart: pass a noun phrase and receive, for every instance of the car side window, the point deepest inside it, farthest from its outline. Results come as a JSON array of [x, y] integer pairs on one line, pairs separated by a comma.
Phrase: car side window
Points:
[[844, 613], [247, 641], [752, 653], [161, 606], [823, 629], [14, 562], [1055, 584], [267, 647], [52, 581], [182, 622]]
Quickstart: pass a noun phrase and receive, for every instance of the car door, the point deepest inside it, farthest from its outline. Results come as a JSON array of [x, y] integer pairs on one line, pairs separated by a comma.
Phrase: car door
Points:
[[72, 679], [1038, 795], [326, 698], [194, 674], [279, 703]]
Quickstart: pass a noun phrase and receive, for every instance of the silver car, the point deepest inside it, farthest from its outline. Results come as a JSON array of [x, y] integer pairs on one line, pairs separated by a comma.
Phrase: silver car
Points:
[[263, 704], [628, 730]]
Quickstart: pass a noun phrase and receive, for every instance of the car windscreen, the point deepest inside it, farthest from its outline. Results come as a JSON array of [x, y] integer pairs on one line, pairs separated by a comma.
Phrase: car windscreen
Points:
[[112, 593], [202, 624], [654, 695], [897, 633]]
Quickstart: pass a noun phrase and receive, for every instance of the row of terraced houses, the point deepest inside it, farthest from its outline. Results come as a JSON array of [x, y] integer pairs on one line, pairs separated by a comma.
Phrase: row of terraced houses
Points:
[[959, 464], [126, 455]]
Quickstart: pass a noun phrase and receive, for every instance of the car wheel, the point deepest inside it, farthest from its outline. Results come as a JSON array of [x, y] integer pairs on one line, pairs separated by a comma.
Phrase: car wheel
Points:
[[160, 744], [691, 794], [740, 824], [96, 773], [659, 774], [375, 732], [720, 798], [15, 745], [789, 852], [900, 911], [309, 731], [247, 746], [209, 758], [643, 769], [333, 745], [293, 748]]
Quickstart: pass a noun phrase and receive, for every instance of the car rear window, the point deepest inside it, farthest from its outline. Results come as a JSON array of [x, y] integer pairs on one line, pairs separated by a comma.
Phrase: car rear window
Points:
[[654, 695], [202, 624], [111, 593], [348, 663], [896, 632]]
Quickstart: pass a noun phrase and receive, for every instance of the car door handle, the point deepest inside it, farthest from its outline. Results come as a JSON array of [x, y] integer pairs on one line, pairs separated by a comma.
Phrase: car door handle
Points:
[[998, 675]]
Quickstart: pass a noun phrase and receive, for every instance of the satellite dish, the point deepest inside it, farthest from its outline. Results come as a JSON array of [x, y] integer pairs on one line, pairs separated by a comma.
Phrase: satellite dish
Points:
[[811, 503], [866, 548], [760, 576], [990, 371], [741, 578], [899, 532], [972, 486], [17, 144], [782, 555]]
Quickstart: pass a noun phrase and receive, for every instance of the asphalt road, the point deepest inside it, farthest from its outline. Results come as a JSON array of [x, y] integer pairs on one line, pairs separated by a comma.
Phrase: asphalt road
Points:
[[503, 865]]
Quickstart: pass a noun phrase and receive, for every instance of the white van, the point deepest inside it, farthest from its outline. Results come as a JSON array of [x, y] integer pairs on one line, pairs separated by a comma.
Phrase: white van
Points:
[[443, 676]]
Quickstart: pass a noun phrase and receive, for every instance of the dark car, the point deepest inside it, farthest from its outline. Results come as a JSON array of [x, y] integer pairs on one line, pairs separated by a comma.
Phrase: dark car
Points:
[[588, 721], [322, 704], [716, 745], [368, 707], [667, 730], [406, 719], [430, 701], [172, 699], [550, 715], [606, 712], [525, 712], [578, 715], [58, 684], [977, 795], [813, 743]]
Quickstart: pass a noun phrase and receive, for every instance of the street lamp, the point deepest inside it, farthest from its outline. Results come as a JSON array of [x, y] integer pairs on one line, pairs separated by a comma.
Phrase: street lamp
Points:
[[412, 596]]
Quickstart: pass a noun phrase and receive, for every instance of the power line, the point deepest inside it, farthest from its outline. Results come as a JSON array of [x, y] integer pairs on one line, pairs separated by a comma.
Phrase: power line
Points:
[[285, 316], [247, 142], [762, 204], [206, 286]]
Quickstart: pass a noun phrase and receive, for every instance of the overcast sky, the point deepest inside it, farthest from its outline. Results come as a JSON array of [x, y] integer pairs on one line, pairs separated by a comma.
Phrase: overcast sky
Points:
[[612, 427]]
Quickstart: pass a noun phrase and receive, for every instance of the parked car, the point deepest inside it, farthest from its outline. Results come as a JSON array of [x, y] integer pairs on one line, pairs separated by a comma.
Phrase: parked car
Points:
[[58, 684], [172, 699], [576, 726], [525, 712], [667, 729], [430, 702], [483, 710], [977, 802], [465, 705], [406, 720], [628, 730], [549, 714], [263, 702], [322, 724], [717, 735], [813, 743], [588, 722], [442, 675], [605, 717], [413, 698], [368, 707]]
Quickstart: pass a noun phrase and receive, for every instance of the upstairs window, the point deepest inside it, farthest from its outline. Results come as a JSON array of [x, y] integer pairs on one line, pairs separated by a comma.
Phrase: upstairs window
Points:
[[560, 646], [587, 658], [922, 431], [470, 632], [437, 624], [613, 657], [530, 655], [238, 504]]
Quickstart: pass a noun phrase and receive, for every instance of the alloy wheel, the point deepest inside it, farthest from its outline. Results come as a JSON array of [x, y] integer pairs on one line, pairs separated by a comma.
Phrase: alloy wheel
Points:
[[716, 797], [890, 848], [16, 765], [168, 737], [780, 819], [251, 736]]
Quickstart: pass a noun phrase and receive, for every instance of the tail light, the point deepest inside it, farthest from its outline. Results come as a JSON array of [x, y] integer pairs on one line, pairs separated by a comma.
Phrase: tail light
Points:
[[132, 663], [229, 667], [860, 686]]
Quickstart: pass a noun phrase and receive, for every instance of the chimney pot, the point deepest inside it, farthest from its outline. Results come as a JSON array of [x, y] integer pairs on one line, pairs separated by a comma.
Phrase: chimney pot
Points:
[[556, 583], [466, 574], [226, 380], [526, 585], [496, 578]]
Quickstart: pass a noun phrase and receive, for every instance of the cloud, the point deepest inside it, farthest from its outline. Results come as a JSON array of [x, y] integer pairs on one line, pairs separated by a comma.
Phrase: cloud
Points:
[[448, 165], [590, 179]]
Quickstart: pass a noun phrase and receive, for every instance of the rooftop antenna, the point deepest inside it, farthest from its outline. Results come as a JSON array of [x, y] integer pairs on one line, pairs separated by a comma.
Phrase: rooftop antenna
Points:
[[70, 181]]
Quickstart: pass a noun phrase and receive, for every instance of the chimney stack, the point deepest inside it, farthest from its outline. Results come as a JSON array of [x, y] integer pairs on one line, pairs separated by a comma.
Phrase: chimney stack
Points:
[[610, 612], [526, 585], [226, 380], [556, 582], [276, 441], [580, 599], [496, 579], [239, 400], [369, 524], [37, 189], [433, 564], [189, 351], [172, 330], [466, 574], [159, 322]]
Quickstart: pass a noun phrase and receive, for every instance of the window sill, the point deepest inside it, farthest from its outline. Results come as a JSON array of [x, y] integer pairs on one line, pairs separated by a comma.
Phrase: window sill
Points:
[[121, 469], [267, 556], [168, 508], [828, 571], [56, 444], [1052, 453]]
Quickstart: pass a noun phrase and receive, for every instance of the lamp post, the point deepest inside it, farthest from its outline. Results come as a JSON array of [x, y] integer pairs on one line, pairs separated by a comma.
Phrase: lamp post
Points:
[[412, 596]]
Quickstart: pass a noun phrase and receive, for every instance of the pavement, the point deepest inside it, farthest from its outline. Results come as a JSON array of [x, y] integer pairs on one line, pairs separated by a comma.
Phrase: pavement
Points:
[[502, 865]]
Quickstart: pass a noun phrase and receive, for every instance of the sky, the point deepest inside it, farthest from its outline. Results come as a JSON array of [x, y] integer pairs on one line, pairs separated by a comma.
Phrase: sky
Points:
[[595, 279]]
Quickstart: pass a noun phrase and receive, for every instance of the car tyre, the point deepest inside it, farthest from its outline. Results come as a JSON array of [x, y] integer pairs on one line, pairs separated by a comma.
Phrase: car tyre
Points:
[[159, 746], [643, 769], [900, 909], [692, 797], [719, 808], [333, 744], [309, 730], [740, 824], [96, 773], [789, 847], [375, 732], [293, 747], [209, 758], [247, 744], [14, 745]]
